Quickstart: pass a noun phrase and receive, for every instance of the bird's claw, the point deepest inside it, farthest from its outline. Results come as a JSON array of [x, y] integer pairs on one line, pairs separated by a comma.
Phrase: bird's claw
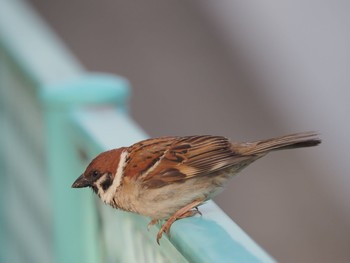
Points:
[[166, 229], [152, 223]]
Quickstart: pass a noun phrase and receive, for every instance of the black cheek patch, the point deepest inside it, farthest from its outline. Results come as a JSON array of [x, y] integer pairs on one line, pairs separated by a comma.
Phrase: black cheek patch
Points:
[[107, 183]]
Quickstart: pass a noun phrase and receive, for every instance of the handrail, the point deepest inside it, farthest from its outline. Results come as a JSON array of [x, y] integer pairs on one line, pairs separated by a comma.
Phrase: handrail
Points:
[[82, 114]]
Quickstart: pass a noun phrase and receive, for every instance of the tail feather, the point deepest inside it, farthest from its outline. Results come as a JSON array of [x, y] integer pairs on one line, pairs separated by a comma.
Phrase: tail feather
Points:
[[297, 140]]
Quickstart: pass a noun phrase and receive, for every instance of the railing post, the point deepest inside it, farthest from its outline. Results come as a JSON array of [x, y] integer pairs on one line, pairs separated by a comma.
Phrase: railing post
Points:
[[74, 224]]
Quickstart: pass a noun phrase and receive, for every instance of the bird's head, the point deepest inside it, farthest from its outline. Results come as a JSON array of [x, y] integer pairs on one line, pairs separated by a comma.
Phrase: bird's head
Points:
[[100, 173]]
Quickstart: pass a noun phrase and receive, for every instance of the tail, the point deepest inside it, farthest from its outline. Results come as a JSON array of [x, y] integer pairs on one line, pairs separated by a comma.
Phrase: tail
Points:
[[297, 140]]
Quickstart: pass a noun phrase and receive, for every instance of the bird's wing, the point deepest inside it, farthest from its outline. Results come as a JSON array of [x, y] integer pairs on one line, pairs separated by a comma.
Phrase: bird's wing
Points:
[[173, 159]]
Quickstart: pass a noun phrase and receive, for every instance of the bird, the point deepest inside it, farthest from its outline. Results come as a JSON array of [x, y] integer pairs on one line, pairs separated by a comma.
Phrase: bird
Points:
[[168, 178]]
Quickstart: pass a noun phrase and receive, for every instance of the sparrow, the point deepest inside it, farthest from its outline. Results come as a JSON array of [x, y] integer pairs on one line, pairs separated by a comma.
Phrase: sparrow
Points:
[[167, 178]]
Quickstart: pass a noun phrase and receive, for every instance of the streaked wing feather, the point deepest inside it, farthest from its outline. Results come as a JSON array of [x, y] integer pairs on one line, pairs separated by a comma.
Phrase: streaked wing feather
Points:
[[144, 154], [192, 156]]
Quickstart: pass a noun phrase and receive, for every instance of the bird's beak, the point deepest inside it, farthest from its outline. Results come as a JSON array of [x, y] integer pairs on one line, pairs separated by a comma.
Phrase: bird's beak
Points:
[[81, 182]]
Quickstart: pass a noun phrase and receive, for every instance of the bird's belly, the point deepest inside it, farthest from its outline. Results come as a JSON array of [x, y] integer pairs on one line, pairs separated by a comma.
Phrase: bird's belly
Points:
[[163, 202]]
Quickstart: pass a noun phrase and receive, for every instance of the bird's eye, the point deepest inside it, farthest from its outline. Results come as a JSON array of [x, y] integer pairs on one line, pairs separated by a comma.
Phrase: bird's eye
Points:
[[95, 173]]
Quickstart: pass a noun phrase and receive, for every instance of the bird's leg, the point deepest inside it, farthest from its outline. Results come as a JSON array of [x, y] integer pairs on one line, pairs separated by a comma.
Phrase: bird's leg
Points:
[[190, 213], [186, 211], [186, 214]]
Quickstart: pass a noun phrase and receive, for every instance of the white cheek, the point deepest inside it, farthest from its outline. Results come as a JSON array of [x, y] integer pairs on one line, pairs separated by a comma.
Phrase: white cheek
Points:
[[98, 183], [108, 195], [120, 169]]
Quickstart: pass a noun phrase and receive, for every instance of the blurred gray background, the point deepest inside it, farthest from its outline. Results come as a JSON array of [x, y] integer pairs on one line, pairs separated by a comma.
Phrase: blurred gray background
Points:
[[247, 70]]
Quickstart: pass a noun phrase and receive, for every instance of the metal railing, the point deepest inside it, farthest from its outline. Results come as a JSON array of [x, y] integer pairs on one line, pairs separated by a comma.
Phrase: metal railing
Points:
[[54, 118]]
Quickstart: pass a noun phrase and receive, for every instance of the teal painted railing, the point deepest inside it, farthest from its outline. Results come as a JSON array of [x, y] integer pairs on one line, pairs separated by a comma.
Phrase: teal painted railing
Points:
[[54, 118]]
